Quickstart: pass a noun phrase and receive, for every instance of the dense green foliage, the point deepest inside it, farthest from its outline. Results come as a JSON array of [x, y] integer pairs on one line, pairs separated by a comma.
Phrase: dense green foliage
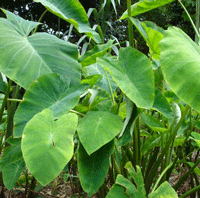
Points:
[[120, 120]]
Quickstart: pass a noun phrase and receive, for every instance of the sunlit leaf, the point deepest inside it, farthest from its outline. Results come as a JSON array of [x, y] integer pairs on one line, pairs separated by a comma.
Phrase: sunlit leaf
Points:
[[25, 58], [164, 191], [133, 74], [73, 12], [143, 6], [152, 34], [179, 61], [47, 145]]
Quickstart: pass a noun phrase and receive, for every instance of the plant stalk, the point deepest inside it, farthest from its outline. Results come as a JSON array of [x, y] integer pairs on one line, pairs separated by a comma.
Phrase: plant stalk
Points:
[[191, 21], [188, 193], [197, 19], [184, 177], [40, 19], [160, 177], [136, 141], [154, 170], [11, 111], [130, 25], [5, 99]]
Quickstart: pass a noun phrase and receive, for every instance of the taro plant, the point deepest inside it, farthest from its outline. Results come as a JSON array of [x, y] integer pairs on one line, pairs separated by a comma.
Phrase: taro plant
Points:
[[125, 122]]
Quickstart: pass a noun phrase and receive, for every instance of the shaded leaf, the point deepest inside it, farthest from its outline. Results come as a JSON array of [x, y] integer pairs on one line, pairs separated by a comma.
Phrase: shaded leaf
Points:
[[94, 168], [12, 172], [11, 153], [153, 123], [106, 78], [161, 104], [12, 163], [90, 56]]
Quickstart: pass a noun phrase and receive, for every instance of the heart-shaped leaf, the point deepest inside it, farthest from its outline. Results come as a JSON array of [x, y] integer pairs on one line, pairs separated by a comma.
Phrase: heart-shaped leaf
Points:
[[24, 58], [98, 128], [179, 61], [49, 91], [133, 74], [73, 12], [47, 145]]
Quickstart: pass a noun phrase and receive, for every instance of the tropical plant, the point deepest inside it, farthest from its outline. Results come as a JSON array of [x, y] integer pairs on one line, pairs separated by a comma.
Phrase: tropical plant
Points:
[[122, 120]]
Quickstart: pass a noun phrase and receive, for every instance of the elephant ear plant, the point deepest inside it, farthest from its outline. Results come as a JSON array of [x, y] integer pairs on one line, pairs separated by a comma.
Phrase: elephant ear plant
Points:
[[120, 120]]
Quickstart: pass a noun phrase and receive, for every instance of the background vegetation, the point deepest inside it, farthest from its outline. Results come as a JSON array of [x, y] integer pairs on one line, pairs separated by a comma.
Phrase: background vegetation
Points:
[[108, 107]]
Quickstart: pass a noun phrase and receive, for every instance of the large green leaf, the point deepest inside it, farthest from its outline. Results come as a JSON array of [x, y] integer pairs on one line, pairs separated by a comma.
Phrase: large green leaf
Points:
[[164, 191], [179, 61], [133, 74], [94, 168], [98, 128], [152, 34], [24, 58], [12, 163], [73, 12], [49, 91], [47, 145], [144, 6], [22, 26]]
